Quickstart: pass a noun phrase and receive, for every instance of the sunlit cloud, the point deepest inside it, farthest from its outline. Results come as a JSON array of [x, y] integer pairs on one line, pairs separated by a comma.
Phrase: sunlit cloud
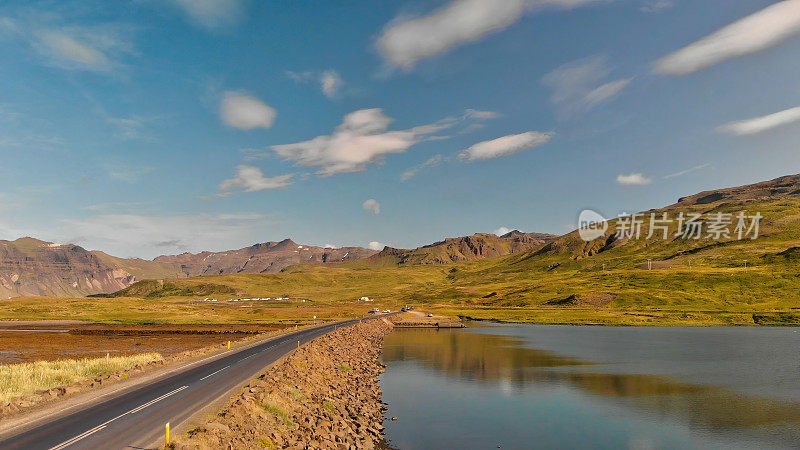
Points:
[[633, 179], [762, 124], [245, 112], [761, 30], [362, 139], [375, 245], [251, 179], [505, 145], [408, 39]]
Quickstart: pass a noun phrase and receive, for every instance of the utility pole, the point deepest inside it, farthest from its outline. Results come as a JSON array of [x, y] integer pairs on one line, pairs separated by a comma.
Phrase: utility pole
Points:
[[745, 266]]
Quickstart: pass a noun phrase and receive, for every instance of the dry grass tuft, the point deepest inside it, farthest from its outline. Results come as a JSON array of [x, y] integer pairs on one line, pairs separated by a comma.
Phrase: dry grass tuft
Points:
[[22, 379]]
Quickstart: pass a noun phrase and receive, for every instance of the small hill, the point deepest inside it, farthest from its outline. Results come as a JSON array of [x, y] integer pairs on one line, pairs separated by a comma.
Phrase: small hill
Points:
[[466, 248]]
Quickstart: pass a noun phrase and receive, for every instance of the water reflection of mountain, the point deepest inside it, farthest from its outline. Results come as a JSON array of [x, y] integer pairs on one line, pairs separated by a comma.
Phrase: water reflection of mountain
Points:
[[493, 358]]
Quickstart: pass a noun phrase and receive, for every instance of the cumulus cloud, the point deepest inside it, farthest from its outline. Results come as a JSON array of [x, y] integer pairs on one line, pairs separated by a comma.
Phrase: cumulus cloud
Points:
[[505, 145], [213, 13], [412, 172], [580, 86], [329, 81], [251, 179], [761, 30], [148, 236], [761, 124], [407, 40], [375, 245], [502, 230], [362, 139], [245, 112], [633, 179], [330, 246], [372, 206]]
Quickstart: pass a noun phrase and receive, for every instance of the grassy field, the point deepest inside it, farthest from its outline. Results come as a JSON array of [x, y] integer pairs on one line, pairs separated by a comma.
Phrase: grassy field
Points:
[[606, 281], [26, 378]]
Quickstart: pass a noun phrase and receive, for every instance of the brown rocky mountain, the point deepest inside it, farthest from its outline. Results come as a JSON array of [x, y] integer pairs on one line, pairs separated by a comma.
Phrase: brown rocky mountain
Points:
[[30, 267], [466, 248], [36, 268], [269, 257]]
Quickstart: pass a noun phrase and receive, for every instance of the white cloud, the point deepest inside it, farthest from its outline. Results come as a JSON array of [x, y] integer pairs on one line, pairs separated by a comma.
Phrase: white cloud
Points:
[[761, 30], [372, 206], [72, 47], [412, 172], [213, 13], [687, 171], [242, 111], [330, 82], [761, 124], [149, 236], [375, 245], [362, 139], [505, 145], [502, 230], [251, 179], [634, 179], [331, 246], [579, 86], [71, 51], [480, 115], [407, 40]]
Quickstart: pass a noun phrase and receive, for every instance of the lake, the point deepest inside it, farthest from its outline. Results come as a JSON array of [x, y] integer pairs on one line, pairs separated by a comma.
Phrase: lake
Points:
[[531, 386]]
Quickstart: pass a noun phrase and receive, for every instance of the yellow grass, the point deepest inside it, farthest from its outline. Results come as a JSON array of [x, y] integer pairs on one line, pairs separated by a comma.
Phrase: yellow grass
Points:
[[23, 379]]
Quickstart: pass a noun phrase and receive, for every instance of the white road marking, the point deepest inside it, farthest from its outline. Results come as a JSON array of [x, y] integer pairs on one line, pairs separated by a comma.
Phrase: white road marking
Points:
[[212, 374], [103, 425], [78, 438]]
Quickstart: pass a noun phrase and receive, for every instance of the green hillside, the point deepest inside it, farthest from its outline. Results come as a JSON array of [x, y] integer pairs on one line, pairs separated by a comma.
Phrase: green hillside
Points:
[[567, 280]]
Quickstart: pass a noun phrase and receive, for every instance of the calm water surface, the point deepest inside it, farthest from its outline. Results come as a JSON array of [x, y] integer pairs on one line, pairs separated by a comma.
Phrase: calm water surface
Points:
[[529, 386]]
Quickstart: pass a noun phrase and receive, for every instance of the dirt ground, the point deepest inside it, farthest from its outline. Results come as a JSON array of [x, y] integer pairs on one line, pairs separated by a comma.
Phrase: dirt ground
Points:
[[50, 340]]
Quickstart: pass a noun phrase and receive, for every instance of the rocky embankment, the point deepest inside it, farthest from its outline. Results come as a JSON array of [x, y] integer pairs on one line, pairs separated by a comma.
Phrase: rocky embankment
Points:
[[324, 395]]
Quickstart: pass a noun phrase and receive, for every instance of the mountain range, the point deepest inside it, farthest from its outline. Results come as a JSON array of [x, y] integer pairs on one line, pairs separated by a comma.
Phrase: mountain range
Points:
[[31, 267]]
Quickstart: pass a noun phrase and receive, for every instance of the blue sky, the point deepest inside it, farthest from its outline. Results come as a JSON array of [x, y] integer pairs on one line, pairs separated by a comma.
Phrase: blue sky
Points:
[[147, 127]]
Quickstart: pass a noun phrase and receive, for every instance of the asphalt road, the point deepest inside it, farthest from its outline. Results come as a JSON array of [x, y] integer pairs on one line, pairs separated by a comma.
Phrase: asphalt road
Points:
[[137, 418]]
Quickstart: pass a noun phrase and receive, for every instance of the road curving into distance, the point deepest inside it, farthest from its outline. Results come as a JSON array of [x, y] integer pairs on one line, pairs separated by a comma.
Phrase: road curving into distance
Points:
[[137, 418]]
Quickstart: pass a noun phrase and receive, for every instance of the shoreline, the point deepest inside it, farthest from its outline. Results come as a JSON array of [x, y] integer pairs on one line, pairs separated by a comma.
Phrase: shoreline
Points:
[[325, 394]]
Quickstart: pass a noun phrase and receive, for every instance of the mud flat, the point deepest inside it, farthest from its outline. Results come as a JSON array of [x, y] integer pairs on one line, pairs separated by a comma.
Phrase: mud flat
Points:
[[324, 395]]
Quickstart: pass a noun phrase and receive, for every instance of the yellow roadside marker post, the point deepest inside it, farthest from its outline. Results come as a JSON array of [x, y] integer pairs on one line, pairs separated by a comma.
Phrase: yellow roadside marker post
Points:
[[229, 345], [166, 440]]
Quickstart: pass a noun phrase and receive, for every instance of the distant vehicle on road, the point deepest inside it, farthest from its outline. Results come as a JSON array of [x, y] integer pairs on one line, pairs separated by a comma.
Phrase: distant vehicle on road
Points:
[[374, 311], [387, 311], [430, 315]]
